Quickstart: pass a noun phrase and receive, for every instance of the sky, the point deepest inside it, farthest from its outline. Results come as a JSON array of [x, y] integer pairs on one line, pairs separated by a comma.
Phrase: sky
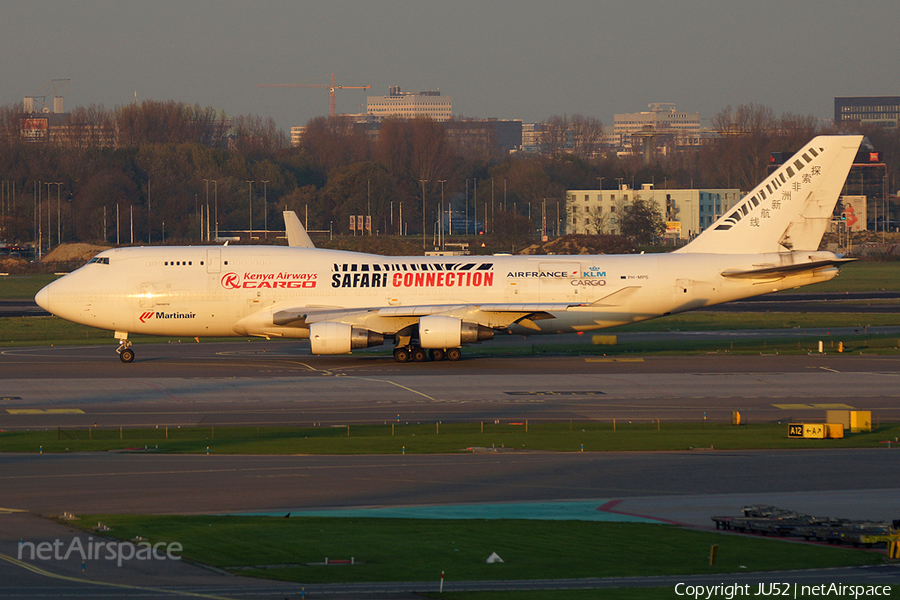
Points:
[[506, 59]]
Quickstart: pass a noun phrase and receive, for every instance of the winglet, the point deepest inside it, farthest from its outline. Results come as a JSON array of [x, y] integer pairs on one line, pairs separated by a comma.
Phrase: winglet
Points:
[[296, 234], [791, 209]]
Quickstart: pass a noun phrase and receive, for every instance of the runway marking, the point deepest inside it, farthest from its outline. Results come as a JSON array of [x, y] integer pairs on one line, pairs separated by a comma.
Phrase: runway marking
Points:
[[48, 411], [408, 389], [9, 398], [9, 511], [552, 393], [311, 368], [120, 586], [829, 370], [606, 360], [813, 406]]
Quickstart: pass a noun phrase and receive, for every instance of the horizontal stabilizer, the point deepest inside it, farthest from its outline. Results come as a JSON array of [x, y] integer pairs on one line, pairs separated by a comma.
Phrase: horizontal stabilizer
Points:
[[767, 272]]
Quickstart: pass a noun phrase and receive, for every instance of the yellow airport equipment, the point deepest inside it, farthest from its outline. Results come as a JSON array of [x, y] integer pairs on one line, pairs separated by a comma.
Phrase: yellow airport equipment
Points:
[[605, 340], [860, 420], [894, 549]]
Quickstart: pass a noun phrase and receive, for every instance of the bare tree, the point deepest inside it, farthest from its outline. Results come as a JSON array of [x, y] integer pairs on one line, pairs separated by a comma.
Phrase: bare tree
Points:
[[587, 136]]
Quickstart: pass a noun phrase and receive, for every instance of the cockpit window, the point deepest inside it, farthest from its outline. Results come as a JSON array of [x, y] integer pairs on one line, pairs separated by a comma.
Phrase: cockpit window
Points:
[[99, 260]]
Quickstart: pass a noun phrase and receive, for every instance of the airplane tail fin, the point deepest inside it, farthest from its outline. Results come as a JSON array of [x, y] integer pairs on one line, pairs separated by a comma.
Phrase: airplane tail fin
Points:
[[791, 209], [296, 233]]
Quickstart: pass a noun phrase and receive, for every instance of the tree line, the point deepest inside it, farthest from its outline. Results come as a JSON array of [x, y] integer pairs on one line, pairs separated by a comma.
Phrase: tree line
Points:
[[158, 164]]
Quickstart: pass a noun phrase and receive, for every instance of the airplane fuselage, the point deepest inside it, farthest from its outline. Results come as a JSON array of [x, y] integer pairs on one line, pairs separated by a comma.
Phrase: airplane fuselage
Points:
[[239, 290]]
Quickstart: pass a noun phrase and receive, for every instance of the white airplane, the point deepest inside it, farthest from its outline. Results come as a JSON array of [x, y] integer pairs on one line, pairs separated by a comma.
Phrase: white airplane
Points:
[[434, 305]]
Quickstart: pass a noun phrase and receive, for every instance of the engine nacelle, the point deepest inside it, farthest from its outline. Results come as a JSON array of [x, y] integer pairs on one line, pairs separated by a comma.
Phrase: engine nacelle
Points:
[[439, 331], [330, 337]]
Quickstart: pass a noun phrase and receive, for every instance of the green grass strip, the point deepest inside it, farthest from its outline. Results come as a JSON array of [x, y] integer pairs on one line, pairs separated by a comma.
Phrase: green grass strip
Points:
[[419, 549], [435, 438]]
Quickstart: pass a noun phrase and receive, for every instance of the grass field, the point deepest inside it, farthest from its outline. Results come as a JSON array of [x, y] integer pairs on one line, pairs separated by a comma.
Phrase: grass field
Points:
[[419, 549], [432, 438]]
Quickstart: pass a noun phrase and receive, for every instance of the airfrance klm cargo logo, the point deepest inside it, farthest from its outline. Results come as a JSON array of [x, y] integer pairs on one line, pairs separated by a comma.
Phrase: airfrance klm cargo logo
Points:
[[254, 281], [146, 316]]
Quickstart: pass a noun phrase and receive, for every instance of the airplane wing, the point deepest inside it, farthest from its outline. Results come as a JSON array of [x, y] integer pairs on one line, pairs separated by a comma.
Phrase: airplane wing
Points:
[[296, 233], [390, 320]]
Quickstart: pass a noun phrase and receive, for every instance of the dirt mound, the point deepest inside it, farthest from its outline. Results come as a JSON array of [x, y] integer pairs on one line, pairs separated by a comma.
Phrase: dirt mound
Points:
[[71, 253], [14, 266]]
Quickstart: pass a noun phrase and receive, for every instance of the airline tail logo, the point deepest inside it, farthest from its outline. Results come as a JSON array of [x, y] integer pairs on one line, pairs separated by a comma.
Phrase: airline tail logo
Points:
[[146, 315]]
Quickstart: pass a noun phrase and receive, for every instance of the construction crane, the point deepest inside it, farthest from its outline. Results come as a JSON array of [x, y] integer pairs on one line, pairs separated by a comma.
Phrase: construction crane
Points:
[[331, 89]]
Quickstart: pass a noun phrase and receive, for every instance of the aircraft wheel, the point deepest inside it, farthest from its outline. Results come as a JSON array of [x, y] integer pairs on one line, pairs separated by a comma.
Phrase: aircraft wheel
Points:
[[401, 355], [454, 354], [419, 355], [437, 355], [126, 355]]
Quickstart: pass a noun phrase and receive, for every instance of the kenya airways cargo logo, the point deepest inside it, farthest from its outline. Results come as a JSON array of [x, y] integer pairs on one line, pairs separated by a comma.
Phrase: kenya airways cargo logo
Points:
[[254, 281]]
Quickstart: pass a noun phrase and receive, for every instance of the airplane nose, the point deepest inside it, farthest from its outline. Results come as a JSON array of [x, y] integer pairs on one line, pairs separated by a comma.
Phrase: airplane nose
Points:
[[43, 298]]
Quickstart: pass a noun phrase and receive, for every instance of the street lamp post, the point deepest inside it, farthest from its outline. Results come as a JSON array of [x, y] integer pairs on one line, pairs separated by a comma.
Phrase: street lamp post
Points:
[[207, 213], [250, 197], [265, 183], [441, 218], [423, 182], [216, 215]]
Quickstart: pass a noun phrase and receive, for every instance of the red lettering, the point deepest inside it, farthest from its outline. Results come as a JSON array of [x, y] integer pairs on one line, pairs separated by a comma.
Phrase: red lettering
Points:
[[420, 279], [397, 280], [449, 280], [488, 279], [476, 279], [309, 284], [429, 279], [440, 279]]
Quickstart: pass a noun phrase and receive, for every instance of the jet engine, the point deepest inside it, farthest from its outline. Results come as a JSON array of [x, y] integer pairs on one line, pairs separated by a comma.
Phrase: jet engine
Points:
[[438, 331], [330, 337]]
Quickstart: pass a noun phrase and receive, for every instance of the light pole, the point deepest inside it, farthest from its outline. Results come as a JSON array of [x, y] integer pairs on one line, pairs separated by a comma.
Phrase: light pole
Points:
[[216, 187], [265, 183], [423, 182], [250, 197], [441, 218], [207, 213]]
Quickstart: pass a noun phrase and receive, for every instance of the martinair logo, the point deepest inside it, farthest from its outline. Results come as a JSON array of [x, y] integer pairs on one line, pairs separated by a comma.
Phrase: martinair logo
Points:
[[146, 316], [254, 281]]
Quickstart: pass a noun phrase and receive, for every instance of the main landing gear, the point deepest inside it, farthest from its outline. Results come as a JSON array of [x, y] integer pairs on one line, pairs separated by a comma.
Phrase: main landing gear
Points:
[[404, 354], [126, 354]]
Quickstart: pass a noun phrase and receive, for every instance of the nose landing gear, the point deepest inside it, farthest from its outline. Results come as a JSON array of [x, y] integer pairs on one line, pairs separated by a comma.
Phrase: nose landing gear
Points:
[[126, 354]]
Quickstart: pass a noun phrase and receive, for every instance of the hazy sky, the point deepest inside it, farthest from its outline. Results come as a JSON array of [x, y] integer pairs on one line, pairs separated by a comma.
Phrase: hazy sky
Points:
[[510, 59]]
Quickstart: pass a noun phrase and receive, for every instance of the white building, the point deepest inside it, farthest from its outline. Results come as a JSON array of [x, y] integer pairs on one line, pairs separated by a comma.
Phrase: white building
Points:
[[686, 212], [661, 120], [409, 105]]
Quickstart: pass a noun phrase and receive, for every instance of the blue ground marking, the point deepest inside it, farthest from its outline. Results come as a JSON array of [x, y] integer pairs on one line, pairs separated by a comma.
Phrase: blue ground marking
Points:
[[582, 510]]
